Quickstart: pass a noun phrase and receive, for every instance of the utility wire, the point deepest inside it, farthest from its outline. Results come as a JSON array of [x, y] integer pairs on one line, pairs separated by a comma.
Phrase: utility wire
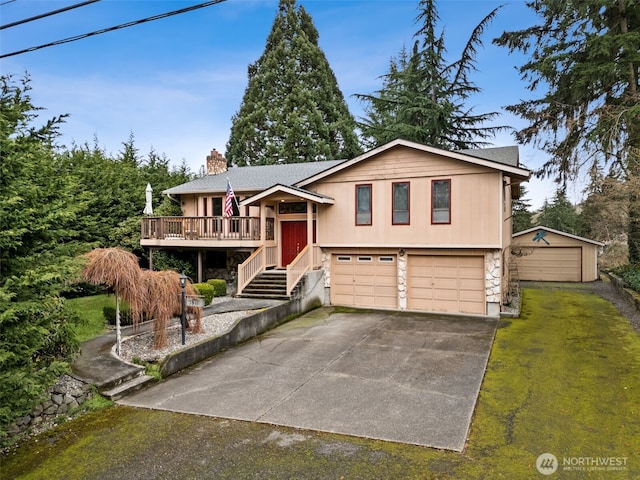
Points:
[[117, 27], [7, 1], [48, 14]]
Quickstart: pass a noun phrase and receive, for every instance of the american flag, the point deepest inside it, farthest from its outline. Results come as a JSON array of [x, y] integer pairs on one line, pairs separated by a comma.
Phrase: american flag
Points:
[[228, 201]]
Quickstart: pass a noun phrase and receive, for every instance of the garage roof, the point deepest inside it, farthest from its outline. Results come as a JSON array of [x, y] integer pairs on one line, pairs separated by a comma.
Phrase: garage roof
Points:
[[558, 232]]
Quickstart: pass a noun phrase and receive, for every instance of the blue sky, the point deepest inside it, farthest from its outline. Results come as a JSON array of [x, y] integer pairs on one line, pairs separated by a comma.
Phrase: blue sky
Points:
[[176, 82]]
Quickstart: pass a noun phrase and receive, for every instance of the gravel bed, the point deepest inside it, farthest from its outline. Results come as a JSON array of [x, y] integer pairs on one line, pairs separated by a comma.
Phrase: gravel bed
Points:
[[140, 346]]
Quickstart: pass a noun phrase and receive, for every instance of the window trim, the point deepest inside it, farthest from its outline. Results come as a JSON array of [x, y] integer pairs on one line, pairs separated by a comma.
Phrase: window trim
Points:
[[393, 203], [359, 224], [433, 200]]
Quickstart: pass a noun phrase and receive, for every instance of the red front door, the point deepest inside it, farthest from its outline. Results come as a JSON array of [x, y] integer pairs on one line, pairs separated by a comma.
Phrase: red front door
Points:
[[294, 239]]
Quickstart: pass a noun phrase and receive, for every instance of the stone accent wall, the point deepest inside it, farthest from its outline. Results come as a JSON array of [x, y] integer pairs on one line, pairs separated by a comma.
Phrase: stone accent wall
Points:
[[402, 281], [326, 266], [67, 394], [493, 276]]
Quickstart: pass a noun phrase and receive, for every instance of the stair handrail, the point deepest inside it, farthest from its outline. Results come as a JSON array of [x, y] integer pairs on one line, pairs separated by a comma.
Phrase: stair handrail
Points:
[[297, 268], [251, 267]]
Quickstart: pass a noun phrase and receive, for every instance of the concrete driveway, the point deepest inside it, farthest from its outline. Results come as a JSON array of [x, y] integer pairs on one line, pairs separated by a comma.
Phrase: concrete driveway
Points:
[[401, 377]]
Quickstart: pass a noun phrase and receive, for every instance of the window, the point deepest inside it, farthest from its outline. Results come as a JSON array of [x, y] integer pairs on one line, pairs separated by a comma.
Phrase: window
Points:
[[363, 204], [441, 201], [216, 206], [292, 207], [400, 203]]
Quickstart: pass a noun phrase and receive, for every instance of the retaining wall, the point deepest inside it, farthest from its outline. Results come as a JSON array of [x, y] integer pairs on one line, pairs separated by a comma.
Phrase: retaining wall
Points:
[[311, 296], [67, 394], [630, 296]]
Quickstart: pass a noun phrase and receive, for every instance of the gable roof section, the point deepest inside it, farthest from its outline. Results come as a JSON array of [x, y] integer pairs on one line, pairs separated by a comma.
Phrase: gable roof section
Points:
[[499, 153], [261, 177], [557, 232], [297, 192], [253, 179]]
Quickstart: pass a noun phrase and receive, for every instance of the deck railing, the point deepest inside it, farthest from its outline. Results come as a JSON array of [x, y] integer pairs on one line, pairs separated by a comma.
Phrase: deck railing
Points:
[[205, 228]]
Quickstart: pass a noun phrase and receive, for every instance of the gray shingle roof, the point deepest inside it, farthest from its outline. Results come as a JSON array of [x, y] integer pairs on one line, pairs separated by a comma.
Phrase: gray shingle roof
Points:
[[253, 179], [505, 155]]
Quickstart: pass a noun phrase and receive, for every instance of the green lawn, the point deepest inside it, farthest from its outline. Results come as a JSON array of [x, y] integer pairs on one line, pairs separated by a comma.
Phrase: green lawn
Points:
[[90, 311], [562, 379]]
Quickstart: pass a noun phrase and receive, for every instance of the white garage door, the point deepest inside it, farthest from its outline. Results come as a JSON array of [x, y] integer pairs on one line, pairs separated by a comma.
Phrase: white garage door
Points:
[[364, 280], [551, 264], [452, 284]]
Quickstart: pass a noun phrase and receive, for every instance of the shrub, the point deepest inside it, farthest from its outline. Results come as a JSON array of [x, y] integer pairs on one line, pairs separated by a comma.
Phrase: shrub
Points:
[[206, 290], [219, 286], [109, 313], [631, 276]]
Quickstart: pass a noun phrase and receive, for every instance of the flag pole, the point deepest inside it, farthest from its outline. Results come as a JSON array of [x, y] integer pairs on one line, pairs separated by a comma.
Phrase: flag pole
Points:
[[235, 199]]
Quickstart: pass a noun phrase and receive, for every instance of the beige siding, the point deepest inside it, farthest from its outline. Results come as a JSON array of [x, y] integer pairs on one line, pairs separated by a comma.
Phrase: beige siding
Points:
[[476, 203], [364, 280], [452, 284], [562, 259]]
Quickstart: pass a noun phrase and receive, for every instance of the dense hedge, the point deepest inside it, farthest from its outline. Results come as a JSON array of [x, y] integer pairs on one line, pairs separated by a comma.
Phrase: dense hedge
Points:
[[125, 315], [219, 286], [206, 290]]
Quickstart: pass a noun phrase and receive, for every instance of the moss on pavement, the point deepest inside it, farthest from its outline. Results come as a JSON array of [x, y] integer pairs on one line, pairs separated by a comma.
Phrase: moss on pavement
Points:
[[563, 379]]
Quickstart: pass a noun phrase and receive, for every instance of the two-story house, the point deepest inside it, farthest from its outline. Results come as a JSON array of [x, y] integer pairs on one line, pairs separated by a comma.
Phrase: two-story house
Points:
[[404, 226]]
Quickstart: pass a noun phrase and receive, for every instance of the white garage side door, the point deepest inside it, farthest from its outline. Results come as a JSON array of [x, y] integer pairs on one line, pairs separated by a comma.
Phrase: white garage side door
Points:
[[452, 284], [551, 264], [364, 280]]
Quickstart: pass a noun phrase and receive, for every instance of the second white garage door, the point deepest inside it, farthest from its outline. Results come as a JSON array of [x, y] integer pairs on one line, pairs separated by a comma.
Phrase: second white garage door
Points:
[[364, 280], [452, 284]]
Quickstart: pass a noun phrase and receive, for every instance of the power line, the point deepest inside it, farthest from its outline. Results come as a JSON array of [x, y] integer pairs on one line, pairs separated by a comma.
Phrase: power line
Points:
[[7, 1], [117, 27], [48, 14]]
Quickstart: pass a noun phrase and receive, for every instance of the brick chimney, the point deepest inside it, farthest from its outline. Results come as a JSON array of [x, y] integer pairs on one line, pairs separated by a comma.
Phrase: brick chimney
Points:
[[216, 163]]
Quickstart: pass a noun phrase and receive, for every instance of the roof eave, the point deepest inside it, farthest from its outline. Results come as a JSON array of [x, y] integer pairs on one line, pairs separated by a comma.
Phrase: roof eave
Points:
[[516, 172], [557, 232], [295, 192]]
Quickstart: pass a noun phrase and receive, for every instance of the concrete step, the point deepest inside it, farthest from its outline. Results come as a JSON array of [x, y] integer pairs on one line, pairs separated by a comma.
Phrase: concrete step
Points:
[[125, 388]]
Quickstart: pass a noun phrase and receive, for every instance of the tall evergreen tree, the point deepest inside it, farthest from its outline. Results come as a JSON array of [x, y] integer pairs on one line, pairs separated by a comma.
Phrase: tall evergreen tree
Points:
[[292, 110], [38, 246], [560, 214], [424, 98], [584, 60], [522, 214]]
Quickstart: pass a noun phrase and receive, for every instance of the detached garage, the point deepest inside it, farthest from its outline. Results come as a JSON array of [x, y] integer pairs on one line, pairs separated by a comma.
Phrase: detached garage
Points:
[[545, 254]]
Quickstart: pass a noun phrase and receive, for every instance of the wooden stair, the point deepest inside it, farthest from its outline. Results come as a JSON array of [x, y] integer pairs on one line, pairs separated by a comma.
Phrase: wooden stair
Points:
[[268, 284]]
